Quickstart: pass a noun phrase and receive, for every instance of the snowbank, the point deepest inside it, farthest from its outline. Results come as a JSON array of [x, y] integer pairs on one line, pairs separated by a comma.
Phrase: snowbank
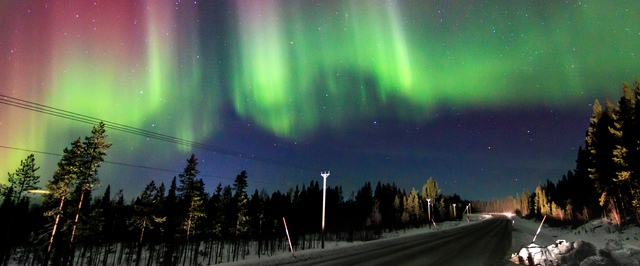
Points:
[[596, 243]]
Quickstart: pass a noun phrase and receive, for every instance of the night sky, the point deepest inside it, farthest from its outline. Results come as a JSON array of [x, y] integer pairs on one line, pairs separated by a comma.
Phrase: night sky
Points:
[[487, 97]]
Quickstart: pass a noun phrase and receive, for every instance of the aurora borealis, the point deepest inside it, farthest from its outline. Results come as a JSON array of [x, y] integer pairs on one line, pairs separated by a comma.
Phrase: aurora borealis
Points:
[[487, 97]]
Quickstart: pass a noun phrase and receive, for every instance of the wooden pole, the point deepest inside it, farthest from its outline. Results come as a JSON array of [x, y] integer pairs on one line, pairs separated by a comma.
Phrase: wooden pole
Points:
[[288, 238], [539, 227]]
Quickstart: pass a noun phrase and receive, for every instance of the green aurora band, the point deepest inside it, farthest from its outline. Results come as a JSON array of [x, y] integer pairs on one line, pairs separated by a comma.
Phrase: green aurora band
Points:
[[294, 67], [299, 67]]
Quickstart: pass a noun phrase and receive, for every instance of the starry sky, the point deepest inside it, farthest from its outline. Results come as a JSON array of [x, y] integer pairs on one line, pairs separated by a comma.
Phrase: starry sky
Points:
[[487, 97]]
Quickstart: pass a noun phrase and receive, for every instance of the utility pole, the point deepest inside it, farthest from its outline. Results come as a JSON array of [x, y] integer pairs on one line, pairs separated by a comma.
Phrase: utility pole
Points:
[[324, 199]]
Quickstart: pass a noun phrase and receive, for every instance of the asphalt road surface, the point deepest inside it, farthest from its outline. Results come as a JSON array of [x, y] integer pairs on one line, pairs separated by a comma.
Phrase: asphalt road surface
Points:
[[479, 243]]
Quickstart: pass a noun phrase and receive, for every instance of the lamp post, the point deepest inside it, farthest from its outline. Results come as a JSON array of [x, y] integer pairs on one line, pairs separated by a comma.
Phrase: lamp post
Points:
[[455, 217], [429, 209], [324, 199]]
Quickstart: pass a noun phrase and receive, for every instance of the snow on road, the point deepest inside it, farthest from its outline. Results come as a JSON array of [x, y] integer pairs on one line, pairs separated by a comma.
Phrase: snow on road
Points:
[[597, 232], [396, 243]]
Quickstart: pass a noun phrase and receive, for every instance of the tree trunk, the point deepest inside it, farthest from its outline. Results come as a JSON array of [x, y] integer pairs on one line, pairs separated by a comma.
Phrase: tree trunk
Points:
[[130, 253], [53, 231], [107, 249], [75, 222], [219, 251], [139, 253], [185, 252], [151, 250], [120, 253], [194, 256], [209, 251]]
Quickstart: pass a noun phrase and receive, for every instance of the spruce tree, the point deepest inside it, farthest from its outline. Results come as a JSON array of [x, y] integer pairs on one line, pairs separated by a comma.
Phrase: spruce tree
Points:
[[169, 209], [364, 202], [241, 199], [191, 195]]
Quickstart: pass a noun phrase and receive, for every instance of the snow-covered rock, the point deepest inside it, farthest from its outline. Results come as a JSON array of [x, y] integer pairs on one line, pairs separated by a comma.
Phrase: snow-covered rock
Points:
[[597, 261], [580, 253], [560, 253], [621, 254], [583, 250]]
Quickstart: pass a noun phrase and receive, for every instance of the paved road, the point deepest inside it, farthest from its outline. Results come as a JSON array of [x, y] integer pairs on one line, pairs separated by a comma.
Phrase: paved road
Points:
[[479, 243]]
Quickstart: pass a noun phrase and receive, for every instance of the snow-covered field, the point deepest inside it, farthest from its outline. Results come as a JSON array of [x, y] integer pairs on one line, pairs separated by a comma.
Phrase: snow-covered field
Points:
[[620, 245]]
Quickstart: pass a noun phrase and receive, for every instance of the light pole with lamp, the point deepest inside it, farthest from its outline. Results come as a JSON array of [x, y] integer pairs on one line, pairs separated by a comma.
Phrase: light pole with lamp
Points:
[[455, 217], [429, 209], [324, 199]]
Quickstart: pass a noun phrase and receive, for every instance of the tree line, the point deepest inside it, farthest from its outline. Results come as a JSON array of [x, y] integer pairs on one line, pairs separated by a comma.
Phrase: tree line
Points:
[[183, 223], [606, 179]]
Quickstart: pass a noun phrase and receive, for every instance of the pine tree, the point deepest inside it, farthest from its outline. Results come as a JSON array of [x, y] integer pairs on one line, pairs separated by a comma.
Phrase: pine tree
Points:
[[397, 208], [624, 141], [146, 209], [405, 218], [95, 147], [430, 193], [67, 174], [582, 188], [415, 207], [633, 155], [24, 179], [600, 145], [430, 190]]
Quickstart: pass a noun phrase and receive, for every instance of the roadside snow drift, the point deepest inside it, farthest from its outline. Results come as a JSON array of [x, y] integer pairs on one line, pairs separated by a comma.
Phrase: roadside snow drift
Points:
[[578, 253]]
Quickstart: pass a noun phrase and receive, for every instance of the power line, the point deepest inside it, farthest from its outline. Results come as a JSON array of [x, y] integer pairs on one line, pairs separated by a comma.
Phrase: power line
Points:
[[132, 165], [57, 112]]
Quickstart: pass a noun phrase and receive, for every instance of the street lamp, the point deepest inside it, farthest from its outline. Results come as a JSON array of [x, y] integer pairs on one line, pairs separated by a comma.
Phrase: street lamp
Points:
[[455, 217], [324, 199], [429, 209]]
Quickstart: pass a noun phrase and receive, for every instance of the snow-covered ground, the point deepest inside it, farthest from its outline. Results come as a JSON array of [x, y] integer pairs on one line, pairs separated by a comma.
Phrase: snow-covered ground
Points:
[[622, 245], [598, 232], [343, 247]]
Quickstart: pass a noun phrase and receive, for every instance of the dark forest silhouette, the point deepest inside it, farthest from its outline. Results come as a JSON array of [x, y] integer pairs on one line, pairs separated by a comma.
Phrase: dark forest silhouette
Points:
[[182, 224], [606, 180]]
